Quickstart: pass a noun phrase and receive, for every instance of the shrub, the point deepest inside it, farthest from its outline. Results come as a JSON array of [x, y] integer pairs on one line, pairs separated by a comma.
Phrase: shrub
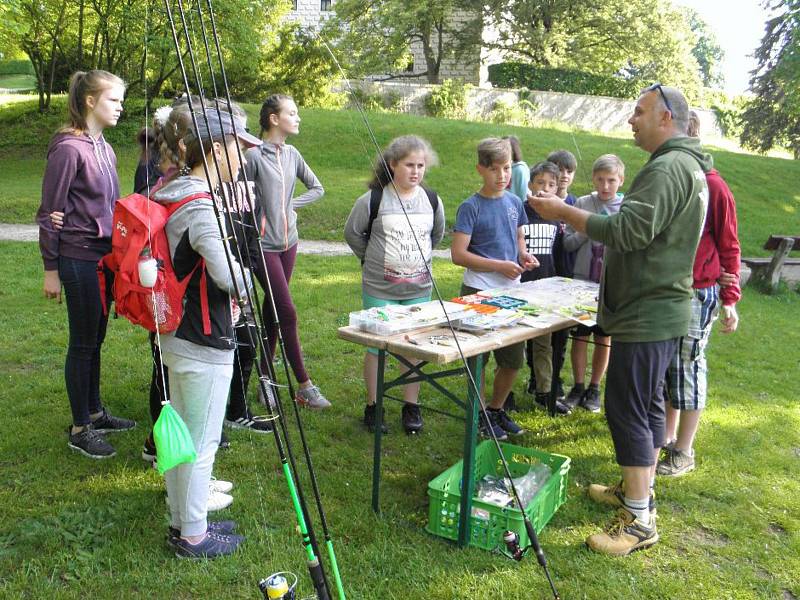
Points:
[[512, 113], [729, 115], [449, 100], [16, 67], [523, 75]]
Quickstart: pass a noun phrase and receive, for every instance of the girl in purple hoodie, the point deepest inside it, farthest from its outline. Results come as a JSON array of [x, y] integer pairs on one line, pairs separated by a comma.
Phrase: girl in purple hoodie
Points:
[[80, 180]]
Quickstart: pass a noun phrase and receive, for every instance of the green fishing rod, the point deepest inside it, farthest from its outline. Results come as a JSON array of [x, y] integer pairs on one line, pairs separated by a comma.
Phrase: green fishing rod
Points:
[[315, 567], [301, 429]]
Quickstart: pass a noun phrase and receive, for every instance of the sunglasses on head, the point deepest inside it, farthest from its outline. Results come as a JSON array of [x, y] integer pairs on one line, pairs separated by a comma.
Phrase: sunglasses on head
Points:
[[660, 88]]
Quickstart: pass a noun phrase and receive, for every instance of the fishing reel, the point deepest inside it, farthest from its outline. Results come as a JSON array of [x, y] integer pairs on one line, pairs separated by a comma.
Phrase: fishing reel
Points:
[[277, 586], [513, 549]]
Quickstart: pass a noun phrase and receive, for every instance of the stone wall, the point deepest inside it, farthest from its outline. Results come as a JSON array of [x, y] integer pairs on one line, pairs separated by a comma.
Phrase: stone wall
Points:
[[310, 14], [594, 113]]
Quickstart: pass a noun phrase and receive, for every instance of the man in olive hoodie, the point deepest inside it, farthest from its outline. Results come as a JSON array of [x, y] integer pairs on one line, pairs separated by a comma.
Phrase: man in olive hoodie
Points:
[[645, 295]]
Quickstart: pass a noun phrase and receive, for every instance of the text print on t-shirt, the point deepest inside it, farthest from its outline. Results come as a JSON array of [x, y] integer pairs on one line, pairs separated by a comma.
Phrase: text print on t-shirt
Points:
[[403, 262]]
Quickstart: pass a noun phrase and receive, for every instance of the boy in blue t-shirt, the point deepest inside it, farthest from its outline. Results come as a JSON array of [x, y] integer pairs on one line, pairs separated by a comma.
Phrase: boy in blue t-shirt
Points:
[[489, 242]]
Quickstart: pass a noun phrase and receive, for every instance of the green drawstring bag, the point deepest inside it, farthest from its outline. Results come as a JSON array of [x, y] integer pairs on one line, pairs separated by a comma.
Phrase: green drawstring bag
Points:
[[174, 444]]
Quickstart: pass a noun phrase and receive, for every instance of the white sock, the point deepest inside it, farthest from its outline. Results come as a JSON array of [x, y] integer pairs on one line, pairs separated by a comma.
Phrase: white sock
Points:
[[639, 508]]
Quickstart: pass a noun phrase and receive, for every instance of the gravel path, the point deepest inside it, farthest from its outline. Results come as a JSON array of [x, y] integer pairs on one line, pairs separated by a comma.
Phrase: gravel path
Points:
[[30, 233]]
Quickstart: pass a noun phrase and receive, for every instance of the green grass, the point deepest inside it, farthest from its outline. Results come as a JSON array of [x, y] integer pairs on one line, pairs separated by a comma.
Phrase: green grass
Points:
[[337, 146], [75, 528], [17, 82]]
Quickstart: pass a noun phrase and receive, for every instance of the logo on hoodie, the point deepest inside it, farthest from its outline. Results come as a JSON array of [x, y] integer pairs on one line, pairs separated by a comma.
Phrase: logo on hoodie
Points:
[[123, 231]]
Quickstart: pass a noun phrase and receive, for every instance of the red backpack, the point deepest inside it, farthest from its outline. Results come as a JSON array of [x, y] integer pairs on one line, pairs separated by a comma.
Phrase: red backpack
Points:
[[139, 224]]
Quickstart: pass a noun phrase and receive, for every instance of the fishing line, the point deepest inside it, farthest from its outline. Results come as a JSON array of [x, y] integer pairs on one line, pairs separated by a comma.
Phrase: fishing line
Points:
[[528, 525]]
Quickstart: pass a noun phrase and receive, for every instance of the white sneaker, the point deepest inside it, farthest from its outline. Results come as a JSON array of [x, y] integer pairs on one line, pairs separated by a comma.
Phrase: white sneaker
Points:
[[219, 485], [218, 501]]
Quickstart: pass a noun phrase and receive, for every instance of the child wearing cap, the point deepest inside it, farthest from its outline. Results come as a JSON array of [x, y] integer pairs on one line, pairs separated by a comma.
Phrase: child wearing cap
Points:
[[201, 364]]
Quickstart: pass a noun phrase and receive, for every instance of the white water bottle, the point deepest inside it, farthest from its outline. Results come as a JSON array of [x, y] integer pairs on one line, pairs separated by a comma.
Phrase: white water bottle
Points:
[[148, 269]]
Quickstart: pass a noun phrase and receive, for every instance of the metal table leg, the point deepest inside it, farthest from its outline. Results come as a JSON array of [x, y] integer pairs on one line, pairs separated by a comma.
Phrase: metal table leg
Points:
[[475, 365], [376, 457]]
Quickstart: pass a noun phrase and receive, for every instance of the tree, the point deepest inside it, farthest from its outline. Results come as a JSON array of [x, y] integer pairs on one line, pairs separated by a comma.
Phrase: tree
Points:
[[376, 36], [707, 51], [772, 117], [646, 40]]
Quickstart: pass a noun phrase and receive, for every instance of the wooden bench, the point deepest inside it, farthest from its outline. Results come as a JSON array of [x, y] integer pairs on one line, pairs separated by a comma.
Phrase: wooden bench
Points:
[[770, 269]]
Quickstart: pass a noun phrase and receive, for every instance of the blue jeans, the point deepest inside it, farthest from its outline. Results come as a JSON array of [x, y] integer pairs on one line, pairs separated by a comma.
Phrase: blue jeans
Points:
[[87, 330]]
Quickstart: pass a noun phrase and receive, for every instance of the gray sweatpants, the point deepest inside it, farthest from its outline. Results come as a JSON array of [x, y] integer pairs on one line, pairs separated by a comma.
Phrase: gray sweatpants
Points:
[[198, 392]]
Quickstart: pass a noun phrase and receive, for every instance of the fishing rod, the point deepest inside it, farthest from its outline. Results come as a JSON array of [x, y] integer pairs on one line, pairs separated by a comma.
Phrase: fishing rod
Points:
[[281, 341], [531, 531], [316, 569]]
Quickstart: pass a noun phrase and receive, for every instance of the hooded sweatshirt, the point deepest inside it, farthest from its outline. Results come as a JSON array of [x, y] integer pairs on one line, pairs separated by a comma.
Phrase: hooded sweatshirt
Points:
[[578, 243], [719, 244], [275, 168], [193, 233], [650, 245], [81, 181]]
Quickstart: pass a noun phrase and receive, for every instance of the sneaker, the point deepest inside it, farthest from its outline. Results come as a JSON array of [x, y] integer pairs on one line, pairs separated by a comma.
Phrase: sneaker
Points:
[[369, 419], [108, 423], [491, 429], [149, 453], [591, 399], [541, 399], [511, 403], [254, 423], [269, 401], [614, 495], [219, 485], [411, 417], [675, 462], [221, 527], [311, 397], [90, 442], [623, 535], [224, 442], [574, 397], [218, 500], [212, 546], [499, 417]]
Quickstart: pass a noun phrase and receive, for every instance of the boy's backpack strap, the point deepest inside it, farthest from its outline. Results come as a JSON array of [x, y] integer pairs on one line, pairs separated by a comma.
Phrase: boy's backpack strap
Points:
[[174, 206]]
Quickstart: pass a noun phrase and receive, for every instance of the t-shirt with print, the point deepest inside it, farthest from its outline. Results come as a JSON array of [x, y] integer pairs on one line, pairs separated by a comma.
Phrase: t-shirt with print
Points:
[[540, 238], [393, 267], [492, 225]]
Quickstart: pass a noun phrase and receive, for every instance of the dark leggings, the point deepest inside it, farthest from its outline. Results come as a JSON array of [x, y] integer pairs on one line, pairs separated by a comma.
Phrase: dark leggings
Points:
[[243, 359], [158, 377], [279, 268], [87, 330]]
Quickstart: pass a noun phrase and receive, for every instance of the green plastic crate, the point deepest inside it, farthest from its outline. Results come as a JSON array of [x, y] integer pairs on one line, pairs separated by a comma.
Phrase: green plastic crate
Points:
[[490, 521]]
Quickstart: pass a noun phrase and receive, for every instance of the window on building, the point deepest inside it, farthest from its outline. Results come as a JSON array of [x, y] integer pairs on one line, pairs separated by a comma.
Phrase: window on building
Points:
[[294, 4], [325, 5], [410, 66]]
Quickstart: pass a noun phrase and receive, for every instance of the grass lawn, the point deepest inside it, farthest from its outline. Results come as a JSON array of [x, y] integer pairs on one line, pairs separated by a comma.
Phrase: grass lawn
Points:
[[17, 82], [76, 528], [336, 145]]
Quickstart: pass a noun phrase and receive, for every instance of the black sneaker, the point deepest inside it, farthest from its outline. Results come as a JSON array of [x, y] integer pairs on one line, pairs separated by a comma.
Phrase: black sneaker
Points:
[[91, 443], [411, 417], [149, 453], [487, 428], [541, 399], [254, 423], [499, 417], [369, 419], [511, 403], [212, 546], [108, 423], [573, 399], [224, 442], [591, 399], [221, 527]]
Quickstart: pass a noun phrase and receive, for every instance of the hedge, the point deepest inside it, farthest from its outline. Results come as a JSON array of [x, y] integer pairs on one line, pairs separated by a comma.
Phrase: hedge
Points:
[[16, 67], [523, 75]]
